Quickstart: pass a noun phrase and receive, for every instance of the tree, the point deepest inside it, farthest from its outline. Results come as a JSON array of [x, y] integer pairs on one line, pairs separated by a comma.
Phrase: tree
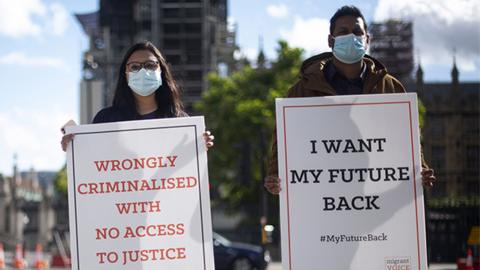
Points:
[[61, 181], [240, 111]]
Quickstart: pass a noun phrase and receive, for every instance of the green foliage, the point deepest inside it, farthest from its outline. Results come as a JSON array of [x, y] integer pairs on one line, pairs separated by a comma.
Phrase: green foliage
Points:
[[61, 182], [240, 112], [454, 202], [421, 113]]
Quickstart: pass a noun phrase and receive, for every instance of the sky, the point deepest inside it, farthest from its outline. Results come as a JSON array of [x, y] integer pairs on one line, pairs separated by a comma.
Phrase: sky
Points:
[[41, 46]]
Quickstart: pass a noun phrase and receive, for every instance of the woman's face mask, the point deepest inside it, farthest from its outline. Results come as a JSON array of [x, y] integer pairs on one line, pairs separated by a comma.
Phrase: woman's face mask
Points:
[[349, 48], [145, 82]]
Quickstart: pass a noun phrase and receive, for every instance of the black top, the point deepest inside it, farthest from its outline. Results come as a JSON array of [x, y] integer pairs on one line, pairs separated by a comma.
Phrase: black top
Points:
[[341, 84], [115, 114]]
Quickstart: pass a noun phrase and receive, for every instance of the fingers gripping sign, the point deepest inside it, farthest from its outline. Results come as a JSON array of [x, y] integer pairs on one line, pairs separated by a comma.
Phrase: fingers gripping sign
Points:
[[66, 138]]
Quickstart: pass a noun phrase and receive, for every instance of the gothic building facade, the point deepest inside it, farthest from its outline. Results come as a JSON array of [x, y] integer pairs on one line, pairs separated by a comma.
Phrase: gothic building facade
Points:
[[27, 209], [451, 145]]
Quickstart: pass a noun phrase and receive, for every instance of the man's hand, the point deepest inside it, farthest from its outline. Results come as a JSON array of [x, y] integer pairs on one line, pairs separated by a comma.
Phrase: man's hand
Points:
[[208, 137], [428, 177], [272, 184]]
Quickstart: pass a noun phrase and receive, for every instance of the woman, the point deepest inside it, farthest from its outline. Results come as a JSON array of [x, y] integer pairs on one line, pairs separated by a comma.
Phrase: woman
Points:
[[145, 90]]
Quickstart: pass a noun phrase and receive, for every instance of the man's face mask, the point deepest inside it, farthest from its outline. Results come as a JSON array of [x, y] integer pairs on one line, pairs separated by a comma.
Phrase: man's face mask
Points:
[[144, 82], [349, 48]]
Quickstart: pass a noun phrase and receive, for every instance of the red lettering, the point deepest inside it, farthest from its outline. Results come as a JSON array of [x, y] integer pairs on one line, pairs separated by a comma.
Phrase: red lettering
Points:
[[93, 188], [116, 165], [128, 232], [151, 162], [139, 163], [172, 159], [103, 233], [180, 228], [154, 206], [137, 231], [79, 189], [192, 181], [102, 165], [180, 182], [181, 253], [129, 164], [168, 253]]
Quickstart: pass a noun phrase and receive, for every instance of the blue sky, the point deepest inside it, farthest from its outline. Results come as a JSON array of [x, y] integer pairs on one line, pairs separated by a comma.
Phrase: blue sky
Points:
[[41, 46]]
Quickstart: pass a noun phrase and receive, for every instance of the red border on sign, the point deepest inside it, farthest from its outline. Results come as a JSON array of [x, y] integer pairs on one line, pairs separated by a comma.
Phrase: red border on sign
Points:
[[349, 104]]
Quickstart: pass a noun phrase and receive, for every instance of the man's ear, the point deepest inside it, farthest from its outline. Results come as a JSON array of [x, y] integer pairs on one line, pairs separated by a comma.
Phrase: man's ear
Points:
[[331, 40]]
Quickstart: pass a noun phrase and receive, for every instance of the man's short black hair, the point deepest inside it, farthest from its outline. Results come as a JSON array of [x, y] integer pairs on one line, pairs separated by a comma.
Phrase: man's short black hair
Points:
[[346, 11]]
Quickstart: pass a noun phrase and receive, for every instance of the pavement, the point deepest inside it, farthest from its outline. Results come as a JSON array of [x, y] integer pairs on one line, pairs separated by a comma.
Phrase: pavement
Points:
[[278, 266], [271, 266]]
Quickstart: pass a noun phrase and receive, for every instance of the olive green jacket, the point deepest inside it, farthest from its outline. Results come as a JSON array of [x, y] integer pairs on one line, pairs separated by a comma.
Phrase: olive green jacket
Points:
[[312, 83]]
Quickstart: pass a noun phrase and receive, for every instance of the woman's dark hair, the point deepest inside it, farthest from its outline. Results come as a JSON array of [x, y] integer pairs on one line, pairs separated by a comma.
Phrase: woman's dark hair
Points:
[[167, 96], [346, 11]]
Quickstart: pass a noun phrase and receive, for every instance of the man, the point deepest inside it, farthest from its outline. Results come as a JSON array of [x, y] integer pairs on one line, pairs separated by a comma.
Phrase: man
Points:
[[347, 70]]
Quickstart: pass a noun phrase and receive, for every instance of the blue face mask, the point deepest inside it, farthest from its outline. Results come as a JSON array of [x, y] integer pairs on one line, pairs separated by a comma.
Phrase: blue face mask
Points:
[[144, 82], [349, 48]]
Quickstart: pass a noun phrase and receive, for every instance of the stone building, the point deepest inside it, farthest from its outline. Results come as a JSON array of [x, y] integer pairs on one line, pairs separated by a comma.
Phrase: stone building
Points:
[[451, 145], [451, 135], [26, 208]]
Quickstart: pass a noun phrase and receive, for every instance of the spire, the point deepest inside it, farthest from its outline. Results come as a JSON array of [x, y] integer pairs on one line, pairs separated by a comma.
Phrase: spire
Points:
[[16, 174], [261, 61], [419, 77], [454, 72]]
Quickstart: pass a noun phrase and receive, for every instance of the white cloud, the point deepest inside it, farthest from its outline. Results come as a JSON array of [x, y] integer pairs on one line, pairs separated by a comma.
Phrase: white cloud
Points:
[[20, 59], [59, 20], [250, 53], [440, 28], [22, 18], [34, 136], [277, 11], [309, 34], [231, 23]]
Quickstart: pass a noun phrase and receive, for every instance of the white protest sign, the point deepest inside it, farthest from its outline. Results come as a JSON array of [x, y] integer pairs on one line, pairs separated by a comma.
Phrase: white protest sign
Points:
[[138, 195], [351, 186]]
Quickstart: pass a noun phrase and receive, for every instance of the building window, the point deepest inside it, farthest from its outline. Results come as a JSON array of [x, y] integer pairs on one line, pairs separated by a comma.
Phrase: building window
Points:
[[193, 28], [172, 43], [473, 158], [194, 75], [194, 90], [437, 127], [193, 13], [171, 13], [171, 28], [194, 58], [146, 25], [194, 44], [438, 158], [471, 125], [173, 59]]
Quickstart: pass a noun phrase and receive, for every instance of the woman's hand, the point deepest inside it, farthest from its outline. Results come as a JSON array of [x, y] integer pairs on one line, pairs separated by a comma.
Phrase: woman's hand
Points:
[[428, 177], [67, 138], [208, 137], [272, 184]]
